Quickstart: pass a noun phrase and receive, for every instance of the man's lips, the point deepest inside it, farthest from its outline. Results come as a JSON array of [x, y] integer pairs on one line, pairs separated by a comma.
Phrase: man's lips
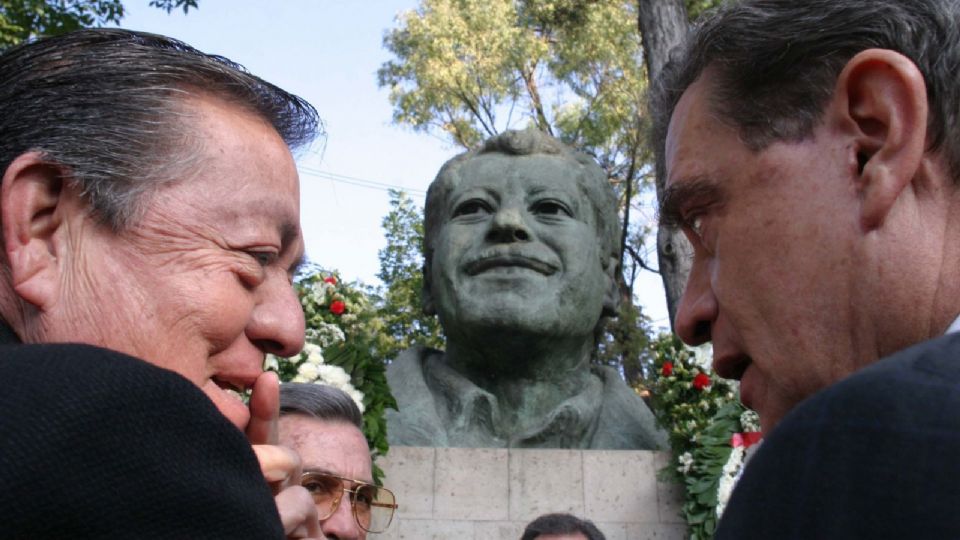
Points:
[[505, 261], [731, 366], [236, 385], [735, 366], [228, 400]]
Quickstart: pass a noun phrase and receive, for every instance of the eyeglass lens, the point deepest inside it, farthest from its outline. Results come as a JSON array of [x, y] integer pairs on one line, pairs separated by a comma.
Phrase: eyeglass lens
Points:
[[372, 506]]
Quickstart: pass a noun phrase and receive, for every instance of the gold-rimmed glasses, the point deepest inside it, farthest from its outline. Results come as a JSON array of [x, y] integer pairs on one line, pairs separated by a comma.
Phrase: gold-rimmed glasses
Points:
[[372, 506]]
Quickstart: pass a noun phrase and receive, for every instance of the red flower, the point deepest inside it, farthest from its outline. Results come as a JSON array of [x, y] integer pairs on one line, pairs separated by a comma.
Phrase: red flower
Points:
[[331, 280], [337, 307], [701, 381], [667, 369]]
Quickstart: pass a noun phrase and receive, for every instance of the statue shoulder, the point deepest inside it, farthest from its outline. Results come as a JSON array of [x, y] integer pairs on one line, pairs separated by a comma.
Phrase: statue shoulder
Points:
[[415, 422], [625, 420], [409, 364]]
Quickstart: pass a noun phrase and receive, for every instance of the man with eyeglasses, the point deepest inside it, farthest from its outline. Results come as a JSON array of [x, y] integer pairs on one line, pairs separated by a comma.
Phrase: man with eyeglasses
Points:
[[323, 425]]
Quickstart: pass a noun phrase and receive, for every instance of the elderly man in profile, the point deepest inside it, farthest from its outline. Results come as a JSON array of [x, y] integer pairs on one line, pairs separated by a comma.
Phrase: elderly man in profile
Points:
[[520, 260], [149, 208], [813, 159], [323, 425]]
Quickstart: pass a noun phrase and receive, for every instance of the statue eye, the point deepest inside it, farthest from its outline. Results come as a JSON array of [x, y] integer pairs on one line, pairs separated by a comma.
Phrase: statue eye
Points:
[[552, 208], [471, 207]]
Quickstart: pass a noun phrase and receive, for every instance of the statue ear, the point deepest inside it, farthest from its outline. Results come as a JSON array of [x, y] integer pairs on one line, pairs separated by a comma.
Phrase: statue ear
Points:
[[426, 295], [611, 296], [32, 214]]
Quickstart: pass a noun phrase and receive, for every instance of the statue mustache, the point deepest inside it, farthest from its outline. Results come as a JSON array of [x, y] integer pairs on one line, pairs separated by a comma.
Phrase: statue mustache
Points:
[[502, 258]]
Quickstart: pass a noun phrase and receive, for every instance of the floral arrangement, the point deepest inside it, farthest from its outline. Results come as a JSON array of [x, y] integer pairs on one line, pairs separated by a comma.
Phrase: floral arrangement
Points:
[[709, 431], [311, 367], [341, 334]]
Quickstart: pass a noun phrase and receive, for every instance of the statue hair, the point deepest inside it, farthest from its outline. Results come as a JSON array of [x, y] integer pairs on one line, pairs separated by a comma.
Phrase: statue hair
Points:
[[108, 107], [775, 63]]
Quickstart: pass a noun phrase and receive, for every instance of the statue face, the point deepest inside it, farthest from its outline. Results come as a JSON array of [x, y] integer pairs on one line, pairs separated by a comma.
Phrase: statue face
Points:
[[518, 249]]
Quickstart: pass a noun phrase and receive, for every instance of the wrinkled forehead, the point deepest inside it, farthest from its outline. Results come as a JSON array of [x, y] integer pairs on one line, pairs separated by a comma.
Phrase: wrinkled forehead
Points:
[[693, 118], [331, 446], [553, 172]]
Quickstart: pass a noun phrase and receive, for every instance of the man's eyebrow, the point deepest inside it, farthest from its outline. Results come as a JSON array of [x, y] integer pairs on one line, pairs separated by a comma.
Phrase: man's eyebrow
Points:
[[320, 470], [681, 193], [289, 234], [298, 265]]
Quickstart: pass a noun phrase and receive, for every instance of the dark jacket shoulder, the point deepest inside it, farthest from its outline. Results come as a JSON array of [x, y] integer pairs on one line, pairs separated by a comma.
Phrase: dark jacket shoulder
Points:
[[98, 444], [872, 456]]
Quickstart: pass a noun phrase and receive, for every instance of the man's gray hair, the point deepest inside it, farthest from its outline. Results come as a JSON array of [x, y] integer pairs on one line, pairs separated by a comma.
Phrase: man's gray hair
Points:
[[775, 63], [592, 180], [107, 105], [319, 401]]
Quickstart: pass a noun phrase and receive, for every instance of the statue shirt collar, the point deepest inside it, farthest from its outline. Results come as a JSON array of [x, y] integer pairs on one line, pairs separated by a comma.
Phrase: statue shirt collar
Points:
[[475, 419]]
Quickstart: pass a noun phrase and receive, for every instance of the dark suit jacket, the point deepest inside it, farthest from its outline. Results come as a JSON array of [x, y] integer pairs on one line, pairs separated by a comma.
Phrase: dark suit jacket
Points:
[[876, 455], [96, 444]]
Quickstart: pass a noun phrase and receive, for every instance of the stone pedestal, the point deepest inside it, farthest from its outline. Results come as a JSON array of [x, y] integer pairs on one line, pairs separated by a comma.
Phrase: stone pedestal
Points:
[[491, 494]]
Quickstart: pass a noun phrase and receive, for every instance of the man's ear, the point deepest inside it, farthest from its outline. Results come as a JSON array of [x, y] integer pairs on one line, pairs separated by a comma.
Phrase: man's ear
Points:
[[426, 295], [30, 193], [611, 295], [881, 94]]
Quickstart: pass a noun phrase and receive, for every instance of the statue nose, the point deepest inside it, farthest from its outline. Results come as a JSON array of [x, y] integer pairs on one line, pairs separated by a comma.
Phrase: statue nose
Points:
[[508, 226]]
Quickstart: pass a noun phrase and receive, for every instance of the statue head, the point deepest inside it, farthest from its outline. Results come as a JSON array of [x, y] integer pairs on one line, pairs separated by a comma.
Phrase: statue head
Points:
[[522, 233]]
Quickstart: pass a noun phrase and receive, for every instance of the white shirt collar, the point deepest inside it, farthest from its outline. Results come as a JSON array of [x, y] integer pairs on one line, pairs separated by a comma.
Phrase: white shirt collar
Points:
[[954, 326]]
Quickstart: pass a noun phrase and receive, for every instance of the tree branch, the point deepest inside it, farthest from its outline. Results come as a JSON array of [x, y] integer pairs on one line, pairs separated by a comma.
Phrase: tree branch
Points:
[[536, 106], [639, 260]]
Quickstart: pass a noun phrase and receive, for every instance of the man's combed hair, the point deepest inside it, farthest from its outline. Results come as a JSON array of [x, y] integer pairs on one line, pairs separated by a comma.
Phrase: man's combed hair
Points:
[[775, 63], [561, 524], [319, 401], [107, 105]]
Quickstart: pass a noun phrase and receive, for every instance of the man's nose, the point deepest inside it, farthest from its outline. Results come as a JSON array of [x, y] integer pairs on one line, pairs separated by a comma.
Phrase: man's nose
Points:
[[342, 525], [698, 308], [508, 225], [277, 324]]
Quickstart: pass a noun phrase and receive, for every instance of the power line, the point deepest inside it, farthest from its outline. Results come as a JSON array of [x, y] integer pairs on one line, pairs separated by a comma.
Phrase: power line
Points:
[[359, 182]]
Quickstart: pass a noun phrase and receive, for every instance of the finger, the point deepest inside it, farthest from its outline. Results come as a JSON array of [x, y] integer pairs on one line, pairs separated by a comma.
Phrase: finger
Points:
[[298, 513], [264, 410], [279, 465]]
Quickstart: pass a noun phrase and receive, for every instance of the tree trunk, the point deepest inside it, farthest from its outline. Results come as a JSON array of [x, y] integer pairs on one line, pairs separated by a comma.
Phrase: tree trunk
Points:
[[663, 24]]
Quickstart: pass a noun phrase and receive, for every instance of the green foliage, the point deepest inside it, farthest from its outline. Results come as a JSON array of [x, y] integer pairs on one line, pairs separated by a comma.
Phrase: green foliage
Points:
[[702, 480], [24, 19], [625, 343], [681, 409], [700, 421], [456, 62], [696, 7], [341, 350], [170, 5], [401, 261], [461, 64]]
